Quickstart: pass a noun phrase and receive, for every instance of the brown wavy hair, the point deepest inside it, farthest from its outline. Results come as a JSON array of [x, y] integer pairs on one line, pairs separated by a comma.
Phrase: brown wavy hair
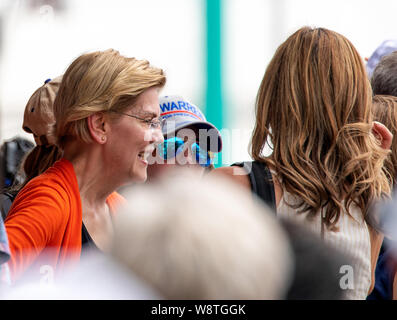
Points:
[[385, 111], [314, 106]]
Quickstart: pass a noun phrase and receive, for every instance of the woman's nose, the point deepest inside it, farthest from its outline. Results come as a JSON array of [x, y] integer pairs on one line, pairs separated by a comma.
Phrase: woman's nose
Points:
[[154, 136]]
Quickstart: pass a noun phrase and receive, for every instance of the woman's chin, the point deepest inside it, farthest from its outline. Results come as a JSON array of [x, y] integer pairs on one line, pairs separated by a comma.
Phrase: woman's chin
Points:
[[139, 177]]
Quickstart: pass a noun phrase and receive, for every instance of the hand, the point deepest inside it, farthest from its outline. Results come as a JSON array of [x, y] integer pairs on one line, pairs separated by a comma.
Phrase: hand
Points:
[[383, 134]]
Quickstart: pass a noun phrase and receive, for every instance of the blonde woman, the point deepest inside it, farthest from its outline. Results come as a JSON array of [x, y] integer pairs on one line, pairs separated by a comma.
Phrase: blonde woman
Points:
[[107, 123], [314, 108]]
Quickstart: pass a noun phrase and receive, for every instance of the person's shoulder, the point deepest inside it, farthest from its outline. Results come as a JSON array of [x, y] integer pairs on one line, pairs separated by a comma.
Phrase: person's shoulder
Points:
[[61, 173], [44, 182], [115, 201], [236, 174], [49, 187], [45, 199]]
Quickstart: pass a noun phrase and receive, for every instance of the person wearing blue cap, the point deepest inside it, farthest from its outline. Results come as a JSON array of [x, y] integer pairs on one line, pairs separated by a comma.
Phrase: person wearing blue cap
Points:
[[189, 139]]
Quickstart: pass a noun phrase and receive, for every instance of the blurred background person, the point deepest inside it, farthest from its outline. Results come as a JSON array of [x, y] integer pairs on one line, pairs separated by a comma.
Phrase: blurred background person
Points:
[[106, 124], [386, 48], [11, 154], [385, 111], [384, 76], [38, 121], [384, 86], [314, 109], [320, 271], [386, 268], [5, 277], [197, 240], [189, 140]]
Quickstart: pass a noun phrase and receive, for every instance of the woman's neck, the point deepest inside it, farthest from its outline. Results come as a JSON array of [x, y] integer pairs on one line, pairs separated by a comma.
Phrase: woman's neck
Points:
[[95, 185]]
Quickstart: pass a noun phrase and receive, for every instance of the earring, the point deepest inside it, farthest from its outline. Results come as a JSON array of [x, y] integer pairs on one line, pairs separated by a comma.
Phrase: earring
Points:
[[103, 138]]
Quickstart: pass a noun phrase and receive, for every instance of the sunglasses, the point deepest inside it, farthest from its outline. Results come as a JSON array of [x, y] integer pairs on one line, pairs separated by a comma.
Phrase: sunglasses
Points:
[[171, 147]]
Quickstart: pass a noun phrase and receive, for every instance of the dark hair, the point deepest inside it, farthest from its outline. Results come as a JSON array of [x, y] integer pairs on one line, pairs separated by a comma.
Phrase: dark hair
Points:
[[12, 153], [38, 160], [384, 77]]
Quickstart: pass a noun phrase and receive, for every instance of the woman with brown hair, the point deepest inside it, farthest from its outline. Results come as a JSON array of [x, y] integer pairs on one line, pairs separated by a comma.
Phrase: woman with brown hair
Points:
[[106, 124], [314, 109]]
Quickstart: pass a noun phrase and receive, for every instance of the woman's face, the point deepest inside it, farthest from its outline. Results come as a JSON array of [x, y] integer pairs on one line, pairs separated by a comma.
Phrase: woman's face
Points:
[[132, 140]]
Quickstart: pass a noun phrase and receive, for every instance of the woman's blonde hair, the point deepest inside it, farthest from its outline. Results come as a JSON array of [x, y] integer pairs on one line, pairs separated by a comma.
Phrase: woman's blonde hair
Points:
[[314, 105], [385, 111], [99, 82]]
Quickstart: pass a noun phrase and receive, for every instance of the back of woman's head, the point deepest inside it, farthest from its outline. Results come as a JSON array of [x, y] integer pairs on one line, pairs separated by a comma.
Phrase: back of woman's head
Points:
[[314, 105], [99, 82], [385, 111]]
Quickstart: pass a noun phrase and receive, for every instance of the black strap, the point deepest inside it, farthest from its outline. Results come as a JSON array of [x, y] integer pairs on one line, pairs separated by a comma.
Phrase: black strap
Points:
[[86, 241], [261, 181]]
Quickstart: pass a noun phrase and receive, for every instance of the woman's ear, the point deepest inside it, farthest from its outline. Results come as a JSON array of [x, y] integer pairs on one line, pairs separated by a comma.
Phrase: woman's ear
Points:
[[383, 134], [97, 124]]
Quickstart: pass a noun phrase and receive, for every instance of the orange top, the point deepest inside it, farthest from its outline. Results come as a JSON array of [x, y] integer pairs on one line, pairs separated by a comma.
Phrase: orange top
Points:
[[44, 224]]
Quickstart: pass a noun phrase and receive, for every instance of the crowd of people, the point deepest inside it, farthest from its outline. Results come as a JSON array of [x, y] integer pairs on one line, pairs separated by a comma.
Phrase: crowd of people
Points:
[[121, 186]]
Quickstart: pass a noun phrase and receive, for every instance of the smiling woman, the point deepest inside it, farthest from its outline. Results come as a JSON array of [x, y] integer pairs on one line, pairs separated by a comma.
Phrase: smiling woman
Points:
[[131, 138], [72, 204]]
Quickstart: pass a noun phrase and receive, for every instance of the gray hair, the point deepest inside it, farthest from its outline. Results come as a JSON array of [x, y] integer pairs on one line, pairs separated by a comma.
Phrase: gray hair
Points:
[[192, 238], [384, 77]]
